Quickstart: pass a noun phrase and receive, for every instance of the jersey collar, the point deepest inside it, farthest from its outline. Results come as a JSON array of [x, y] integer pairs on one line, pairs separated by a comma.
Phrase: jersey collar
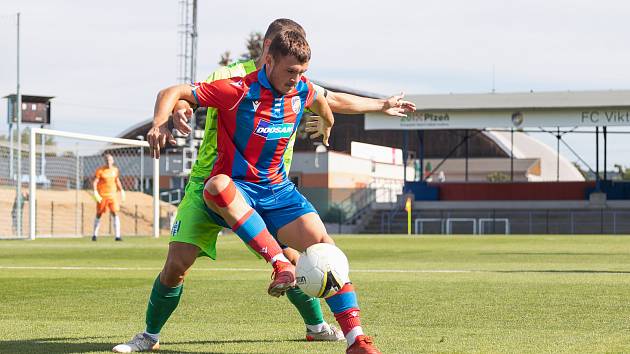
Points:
[[262, 78]]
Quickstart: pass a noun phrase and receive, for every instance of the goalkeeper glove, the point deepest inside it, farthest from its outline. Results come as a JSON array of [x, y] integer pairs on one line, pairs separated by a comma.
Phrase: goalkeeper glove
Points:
[[122, 195], [97, 197]]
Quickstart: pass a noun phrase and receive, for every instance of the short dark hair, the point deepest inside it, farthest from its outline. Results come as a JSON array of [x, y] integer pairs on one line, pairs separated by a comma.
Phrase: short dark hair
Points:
[[283, 24], [290, 43]]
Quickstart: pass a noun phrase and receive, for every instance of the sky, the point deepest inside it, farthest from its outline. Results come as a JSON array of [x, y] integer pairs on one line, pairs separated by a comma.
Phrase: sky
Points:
[[105, 61]]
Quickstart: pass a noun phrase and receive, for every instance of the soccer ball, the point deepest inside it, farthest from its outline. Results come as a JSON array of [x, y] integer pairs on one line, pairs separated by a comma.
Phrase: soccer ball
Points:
[[322, 270]]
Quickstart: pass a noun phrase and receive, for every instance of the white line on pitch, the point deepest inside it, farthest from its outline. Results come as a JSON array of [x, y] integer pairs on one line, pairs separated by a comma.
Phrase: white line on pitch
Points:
[[233, 269]]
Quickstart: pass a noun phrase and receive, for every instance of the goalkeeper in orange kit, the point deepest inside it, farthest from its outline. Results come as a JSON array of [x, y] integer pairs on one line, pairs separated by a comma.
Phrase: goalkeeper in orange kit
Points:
[[106, 184]]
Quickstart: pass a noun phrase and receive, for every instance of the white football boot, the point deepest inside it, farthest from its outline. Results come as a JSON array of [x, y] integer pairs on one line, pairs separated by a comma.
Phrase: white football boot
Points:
[[330, 333], [140, 343]]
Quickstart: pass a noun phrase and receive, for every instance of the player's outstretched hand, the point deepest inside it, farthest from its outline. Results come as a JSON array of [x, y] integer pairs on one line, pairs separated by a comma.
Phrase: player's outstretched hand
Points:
[[181, 117], [318, 127], [157, 138], [397, 107]]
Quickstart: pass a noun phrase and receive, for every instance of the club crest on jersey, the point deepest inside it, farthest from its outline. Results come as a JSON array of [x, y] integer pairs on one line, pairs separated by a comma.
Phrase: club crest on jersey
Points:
[[274, 131], [296, 104]]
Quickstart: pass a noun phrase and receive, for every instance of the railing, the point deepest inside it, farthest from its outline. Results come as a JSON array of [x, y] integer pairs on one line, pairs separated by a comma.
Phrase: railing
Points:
[[387, 217], [379, 190], [529, 222]]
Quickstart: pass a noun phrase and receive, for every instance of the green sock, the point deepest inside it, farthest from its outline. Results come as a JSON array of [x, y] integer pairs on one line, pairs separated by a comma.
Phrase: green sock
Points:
[[309, 307], [162, 303]]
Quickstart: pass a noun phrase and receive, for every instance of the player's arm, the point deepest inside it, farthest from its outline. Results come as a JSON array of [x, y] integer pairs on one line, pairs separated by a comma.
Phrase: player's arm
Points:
[[184, 111], [120, 188], [350, 104], [222, 94], [181, 116], [159, 133], [97, 196], [324, 125]]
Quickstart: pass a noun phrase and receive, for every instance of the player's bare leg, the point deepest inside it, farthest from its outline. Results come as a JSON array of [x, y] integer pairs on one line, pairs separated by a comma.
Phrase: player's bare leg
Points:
[[165, 295], [222, 196], [306, 231]]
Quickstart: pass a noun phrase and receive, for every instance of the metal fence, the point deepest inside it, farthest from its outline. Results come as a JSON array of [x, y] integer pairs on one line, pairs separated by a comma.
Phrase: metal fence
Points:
[[64, 170]]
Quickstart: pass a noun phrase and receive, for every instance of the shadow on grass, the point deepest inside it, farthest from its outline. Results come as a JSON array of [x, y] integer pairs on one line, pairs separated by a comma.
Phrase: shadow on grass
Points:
[[230, 341], [82, 345]]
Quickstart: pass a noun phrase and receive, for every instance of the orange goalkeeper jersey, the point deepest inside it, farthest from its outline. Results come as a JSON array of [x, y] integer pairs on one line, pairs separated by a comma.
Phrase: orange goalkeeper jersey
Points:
[[106, 186]]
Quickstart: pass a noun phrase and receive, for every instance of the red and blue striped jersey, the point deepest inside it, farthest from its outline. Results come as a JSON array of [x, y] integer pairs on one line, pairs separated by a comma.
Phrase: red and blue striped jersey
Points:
[[254, 125]]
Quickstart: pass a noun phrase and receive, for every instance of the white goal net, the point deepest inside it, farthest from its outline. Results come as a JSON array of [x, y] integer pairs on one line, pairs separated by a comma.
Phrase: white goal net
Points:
[[57, 174]]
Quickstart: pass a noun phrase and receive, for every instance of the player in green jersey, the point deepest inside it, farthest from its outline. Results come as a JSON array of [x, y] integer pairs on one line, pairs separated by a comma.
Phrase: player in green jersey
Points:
[[194, 232]]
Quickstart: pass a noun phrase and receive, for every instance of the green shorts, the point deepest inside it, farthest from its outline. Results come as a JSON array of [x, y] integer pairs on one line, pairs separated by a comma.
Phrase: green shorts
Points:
[[193, 224]]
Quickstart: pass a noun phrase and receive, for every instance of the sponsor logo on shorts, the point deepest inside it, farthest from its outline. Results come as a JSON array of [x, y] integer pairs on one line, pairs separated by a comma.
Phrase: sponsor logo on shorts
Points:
[[274, 131], [175, 227]]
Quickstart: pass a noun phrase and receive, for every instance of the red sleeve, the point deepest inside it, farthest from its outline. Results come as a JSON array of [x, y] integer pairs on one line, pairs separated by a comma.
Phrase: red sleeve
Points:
[[312, 94], [222, 94]]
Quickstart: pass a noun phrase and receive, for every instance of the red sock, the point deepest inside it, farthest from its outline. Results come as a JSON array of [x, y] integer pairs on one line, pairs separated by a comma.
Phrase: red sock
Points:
[[346, 301], [265, 245], [348, 320], [252, 230]]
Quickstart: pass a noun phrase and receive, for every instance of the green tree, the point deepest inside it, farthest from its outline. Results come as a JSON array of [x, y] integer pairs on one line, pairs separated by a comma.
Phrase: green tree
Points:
[[498, 177], [225, 58], [254, 45], [624, 173], [582, 171], [26, 136]]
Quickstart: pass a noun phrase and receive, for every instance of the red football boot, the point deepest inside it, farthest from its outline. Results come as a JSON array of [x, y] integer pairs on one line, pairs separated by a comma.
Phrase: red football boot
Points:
[[362, 345], [283, 278]]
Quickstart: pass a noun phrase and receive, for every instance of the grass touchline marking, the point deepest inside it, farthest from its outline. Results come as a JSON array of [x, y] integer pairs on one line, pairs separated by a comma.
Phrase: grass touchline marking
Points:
[[231, 269], [402, 271]]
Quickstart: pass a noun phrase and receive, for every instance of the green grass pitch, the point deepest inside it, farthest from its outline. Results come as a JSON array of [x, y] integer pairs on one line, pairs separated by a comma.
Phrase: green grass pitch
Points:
[[465, 294]]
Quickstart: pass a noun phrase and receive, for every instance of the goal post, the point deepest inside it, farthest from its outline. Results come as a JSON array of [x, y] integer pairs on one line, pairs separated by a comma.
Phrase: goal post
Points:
[[62, 168]]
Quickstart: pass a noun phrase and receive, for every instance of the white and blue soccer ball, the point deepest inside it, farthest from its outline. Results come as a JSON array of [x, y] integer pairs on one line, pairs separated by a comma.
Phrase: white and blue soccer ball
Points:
[[322, 270]]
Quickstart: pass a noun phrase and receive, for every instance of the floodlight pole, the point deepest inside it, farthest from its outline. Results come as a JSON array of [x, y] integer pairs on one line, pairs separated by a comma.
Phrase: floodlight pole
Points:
[[193, 72], [18, 190], [10, 114]]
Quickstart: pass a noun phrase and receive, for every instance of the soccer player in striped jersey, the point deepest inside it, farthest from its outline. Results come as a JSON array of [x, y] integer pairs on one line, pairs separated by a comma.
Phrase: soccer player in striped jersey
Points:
[[194, 233], [248, 189]]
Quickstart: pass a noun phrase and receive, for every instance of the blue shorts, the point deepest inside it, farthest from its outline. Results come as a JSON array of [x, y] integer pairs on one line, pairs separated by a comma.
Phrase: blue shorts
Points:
[[277, 204]]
